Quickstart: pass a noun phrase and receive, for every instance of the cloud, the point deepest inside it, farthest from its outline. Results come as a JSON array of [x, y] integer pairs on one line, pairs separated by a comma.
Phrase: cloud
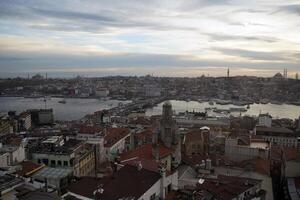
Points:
[[292, 9], [175, 37], [253, 55], [225, 37]]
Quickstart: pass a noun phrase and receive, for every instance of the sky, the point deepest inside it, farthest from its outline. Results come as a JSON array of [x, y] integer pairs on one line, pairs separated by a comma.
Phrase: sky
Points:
[[157, 37]]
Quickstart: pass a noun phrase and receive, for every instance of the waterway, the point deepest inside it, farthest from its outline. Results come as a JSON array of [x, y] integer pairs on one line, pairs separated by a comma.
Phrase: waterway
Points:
[[275, 110], [73, 109]]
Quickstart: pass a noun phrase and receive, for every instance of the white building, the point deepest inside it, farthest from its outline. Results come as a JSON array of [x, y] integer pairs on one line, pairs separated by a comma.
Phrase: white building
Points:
[[11, 155], [236, 150], [278, 136], [101, 92], [265, 120]]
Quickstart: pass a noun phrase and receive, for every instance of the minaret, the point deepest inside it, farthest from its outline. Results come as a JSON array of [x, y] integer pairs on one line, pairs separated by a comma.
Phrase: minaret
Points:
[[297, 76], [228, 72]]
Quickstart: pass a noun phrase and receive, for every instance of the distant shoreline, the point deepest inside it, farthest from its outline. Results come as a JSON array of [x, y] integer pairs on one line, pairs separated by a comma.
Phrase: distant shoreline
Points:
[[216, 101]]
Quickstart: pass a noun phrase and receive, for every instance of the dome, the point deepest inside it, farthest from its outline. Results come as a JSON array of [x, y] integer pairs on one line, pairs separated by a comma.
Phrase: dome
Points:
[[278, 75]]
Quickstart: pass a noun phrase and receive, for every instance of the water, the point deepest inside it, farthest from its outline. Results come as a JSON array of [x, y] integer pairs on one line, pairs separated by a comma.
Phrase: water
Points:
[[78, 108], [74, 108], [276, 111]]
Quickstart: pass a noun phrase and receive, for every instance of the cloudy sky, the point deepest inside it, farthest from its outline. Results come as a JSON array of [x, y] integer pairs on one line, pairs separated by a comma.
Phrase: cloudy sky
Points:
[[159, 37]]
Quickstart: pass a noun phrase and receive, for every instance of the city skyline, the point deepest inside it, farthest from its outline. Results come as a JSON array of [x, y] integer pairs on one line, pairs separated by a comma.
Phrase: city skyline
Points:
[[163, 38]]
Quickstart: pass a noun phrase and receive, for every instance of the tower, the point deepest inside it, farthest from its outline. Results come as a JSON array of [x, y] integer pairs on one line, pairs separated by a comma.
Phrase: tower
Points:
[[169, 133], [285, 73], [167, 125], [228, 72], [297, 76]]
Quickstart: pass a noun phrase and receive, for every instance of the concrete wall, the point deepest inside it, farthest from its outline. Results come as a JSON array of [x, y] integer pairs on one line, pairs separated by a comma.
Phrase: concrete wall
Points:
[[292, 168], [239, 152]]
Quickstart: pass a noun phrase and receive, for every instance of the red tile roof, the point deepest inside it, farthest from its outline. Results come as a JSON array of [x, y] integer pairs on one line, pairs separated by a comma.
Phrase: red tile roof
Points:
[[145, 152], [145, 135], [127, 182], [114, 135], [227, 187], [28, 168], [141, 121], [89, 129]]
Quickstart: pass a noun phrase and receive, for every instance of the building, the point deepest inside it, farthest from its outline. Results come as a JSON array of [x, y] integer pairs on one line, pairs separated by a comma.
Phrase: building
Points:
[[265, 120], [101, 92], [5, 126], [231, 187], [24, 121], [168, 134], [278, 136], [41, 116], [12, 153], [116, 141], [67, 153], [196, 142], [144, 184], [239, 148], [212, 166], [8, 183], [93, 135], [50, 177]]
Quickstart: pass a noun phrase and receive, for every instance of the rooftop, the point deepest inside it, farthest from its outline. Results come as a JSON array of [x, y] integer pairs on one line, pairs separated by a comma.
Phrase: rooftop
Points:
[[227, 187], [117, 187], [68, 147], [114, 135], [28, 168], [145, 152], [53, 173]]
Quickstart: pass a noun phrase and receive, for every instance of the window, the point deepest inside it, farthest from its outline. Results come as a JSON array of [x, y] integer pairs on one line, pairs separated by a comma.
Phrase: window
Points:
[[59, 162], [45, 161], [39, 161], [153, 196], [52, 162], [65, 163]]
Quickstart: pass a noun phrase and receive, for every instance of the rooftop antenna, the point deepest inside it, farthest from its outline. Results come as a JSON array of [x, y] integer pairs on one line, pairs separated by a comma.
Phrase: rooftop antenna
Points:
[[45, 101]]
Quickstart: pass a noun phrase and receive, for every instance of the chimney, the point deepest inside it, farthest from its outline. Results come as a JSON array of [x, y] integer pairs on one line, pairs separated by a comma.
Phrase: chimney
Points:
[[162, 171]]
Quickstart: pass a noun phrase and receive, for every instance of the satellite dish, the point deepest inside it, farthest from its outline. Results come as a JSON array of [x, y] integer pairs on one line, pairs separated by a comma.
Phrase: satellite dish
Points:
[[201, 181]]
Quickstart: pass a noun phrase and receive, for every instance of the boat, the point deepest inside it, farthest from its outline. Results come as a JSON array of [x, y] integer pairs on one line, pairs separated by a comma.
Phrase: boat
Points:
[[62, 101], [237, 109]]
